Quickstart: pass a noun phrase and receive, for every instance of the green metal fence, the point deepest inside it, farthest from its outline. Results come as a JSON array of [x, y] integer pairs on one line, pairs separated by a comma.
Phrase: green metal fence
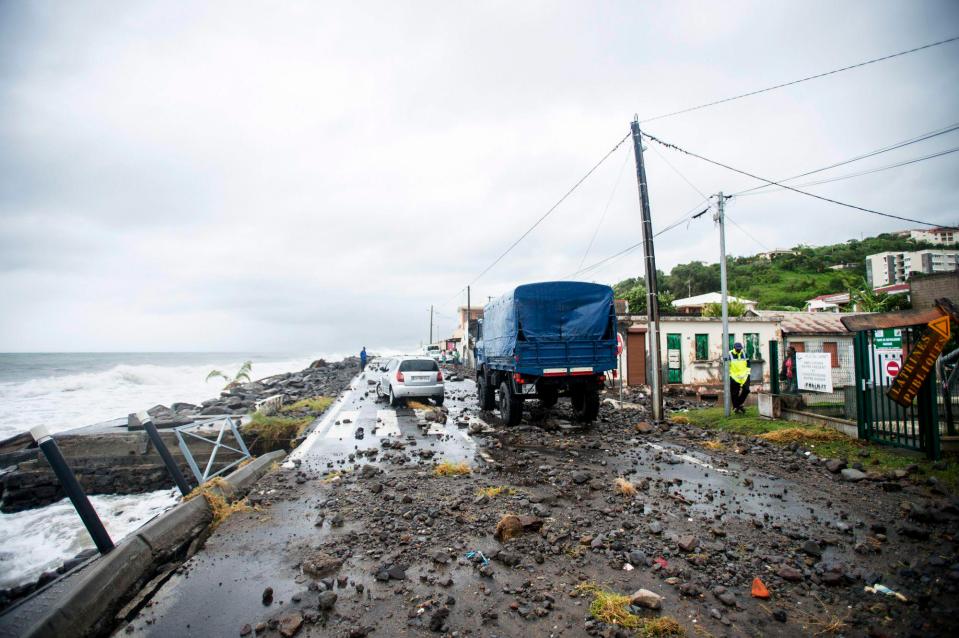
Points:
[[878, 358]]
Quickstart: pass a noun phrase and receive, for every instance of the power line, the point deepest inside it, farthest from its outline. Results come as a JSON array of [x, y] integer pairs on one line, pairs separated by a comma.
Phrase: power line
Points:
[[913, 140], [550, 211], [805, 79], [605, 210], [683, 177], [787, 187], [746, 232], [838, 178], [689, 215]]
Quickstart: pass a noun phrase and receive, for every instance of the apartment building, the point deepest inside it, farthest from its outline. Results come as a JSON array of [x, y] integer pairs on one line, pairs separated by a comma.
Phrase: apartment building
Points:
[[884, 269]]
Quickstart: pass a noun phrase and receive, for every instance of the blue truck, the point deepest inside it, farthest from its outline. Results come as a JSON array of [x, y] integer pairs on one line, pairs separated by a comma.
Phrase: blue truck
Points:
[[543, 341]]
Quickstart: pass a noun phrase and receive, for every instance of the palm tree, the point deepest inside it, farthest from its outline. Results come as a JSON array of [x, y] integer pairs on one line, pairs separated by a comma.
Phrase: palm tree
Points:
[[242, 375]]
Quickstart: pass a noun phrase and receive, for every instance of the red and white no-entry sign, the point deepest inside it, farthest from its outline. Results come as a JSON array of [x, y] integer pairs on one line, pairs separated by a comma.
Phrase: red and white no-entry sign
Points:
[[892, 368], [619, 344]]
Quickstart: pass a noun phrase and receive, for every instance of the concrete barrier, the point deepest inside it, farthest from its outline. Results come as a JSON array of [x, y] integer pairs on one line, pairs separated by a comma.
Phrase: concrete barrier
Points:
[[88, 607]]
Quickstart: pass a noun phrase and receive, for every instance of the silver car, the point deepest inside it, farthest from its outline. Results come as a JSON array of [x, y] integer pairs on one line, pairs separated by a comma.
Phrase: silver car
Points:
[[411, 377]]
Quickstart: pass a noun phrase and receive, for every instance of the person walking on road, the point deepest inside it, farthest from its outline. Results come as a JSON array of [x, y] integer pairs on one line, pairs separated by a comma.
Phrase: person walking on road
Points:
[[738, 377], [363, 359]]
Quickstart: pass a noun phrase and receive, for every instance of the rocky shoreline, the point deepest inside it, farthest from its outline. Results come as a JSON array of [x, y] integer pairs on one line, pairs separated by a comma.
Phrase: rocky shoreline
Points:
[[28, 481]]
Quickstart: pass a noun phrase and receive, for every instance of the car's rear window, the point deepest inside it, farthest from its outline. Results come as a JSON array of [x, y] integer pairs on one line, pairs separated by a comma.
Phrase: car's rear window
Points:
[[419, 365]]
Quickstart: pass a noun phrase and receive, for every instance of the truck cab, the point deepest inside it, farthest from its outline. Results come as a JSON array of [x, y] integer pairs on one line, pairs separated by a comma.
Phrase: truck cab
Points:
[[543, 341]]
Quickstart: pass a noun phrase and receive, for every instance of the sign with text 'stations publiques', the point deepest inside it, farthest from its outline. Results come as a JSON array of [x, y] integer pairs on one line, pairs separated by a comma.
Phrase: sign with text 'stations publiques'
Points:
[[920, 362], [814, 371]]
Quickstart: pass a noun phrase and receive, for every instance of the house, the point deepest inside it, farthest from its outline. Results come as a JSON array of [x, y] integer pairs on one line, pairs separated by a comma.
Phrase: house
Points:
[[463, 345], [692, 348], [833, 302], [695, 305], [778, 252], [937, 235], [883, 269]]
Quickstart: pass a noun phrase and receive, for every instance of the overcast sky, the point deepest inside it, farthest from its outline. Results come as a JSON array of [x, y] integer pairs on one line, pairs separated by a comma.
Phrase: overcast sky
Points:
[[310, 177]]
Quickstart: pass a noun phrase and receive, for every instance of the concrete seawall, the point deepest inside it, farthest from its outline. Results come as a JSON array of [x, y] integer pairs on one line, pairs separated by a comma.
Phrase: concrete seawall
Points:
[[86, 603]]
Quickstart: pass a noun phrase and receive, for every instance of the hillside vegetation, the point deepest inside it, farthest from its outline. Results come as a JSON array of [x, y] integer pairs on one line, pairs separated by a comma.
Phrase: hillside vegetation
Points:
[[784, 283]]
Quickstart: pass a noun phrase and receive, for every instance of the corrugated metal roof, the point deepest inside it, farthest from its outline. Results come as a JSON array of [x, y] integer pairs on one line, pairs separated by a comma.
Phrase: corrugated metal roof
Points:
[[809, 322]]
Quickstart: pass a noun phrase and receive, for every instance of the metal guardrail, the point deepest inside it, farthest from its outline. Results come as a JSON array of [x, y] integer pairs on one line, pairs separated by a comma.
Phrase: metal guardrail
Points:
[[185, 431]]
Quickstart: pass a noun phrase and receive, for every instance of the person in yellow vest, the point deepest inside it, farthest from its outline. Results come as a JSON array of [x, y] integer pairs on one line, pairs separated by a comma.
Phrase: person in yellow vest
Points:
[[738, 377]]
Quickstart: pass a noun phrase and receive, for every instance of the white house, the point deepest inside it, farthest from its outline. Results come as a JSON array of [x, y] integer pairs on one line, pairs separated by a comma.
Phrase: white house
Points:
[[692, 348], [695, 305], [932, 235]]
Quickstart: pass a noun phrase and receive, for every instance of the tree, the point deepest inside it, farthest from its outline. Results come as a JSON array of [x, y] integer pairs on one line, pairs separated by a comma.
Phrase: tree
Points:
[[735, 308], [242, 375], [865, 299]]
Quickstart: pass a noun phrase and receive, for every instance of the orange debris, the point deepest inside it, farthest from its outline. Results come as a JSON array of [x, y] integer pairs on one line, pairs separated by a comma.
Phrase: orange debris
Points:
[[759, 590]]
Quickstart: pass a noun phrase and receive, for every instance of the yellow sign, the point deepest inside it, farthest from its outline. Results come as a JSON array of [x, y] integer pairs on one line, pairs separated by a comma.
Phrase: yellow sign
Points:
[[920, 362]]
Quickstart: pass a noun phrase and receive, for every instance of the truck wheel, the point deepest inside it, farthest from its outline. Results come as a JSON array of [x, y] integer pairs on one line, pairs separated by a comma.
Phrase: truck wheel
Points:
[[510, 405], [548, 398], [589, 407], [485, 393]]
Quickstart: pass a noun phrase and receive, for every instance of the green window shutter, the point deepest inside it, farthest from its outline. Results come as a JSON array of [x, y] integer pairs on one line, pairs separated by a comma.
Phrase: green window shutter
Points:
[[751, 346], [702, 347], [732, 340]]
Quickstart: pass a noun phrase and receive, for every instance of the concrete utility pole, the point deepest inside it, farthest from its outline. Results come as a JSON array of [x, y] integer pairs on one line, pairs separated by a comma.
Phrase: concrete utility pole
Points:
[[652, 286], [431, 325], [466, 352], [721, 218]]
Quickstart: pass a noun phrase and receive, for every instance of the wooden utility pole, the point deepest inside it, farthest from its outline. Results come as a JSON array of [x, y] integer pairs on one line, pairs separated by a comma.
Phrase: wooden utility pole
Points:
[[652, 286]]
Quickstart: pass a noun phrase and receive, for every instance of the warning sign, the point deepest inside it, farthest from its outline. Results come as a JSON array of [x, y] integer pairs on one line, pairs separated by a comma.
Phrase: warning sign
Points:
[[920, 362], [814, 371]]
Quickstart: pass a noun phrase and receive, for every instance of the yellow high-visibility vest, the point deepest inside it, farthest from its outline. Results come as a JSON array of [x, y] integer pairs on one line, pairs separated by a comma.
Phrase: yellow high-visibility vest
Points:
[[738, 367]]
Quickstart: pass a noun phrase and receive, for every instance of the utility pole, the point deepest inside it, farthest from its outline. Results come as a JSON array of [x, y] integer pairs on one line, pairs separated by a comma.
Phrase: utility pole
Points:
[[721, 218], [469, 312], [652, 286], [431, 325]]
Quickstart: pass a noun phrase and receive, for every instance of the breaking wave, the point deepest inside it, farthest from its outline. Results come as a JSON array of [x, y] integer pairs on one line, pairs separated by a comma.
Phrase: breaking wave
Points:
[[66, 401]]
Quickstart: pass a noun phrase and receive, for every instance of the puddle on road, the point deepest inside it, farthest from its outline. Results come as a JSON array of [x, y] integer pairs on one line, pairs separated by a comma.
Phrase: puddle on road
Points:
[[361, 428], [713, 491]]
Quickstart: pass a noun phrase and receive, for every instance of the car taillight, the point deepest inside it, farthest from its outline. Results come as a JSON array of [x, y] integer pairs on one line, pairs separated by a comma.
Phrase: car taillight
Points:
[[439, 376], [399, 377], [518, 378]]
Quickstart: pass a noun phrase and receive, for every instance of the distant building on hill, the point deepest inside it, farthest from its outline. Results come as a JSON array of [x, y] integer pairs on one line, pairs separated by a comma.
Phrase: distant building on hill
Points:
[[884, 269], [769, 255], [932, 235], [693, 306]]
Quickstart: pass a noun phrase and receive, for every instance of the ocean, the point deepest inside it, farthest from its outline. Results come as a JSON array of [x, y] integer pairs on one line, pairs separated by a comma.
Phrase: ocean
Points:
[[69, 390]]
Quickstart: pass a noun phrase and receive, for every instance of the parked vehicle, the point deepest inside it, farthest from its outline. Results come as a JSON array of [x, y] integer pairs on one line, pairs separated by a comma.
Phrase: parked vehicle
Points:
[[432, 351], [543, 341], [411, 377]]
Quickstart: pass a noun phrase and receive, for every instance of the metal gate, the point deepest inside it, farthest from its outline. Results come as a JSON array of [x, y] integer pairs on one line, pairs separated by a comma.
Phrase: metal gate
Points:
[[879, 355]]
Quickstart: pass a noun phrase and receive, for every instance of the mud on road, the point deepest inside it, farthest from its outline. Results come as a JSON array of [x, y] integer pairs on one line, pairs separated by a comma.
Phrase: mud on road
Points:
[[357, 534]]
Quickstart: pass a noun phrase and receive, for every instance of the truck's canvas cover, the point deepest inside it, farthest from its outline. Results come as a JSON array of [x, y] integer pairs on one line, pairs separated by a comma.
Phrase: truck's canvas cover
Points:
[[546, 312]]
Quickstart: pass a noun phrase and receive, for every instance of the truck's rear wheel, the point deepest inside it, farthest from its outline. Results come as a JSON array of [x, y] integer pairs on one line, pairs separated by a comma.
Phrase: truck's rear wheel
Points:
[[510, 405], [586, 405], [484, 391]]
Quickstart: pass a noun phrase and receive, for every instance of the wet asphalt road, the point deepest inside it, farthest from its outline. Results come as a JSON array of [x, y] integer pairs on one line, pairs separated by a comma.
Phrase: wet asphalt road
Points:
[[211, 594]]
